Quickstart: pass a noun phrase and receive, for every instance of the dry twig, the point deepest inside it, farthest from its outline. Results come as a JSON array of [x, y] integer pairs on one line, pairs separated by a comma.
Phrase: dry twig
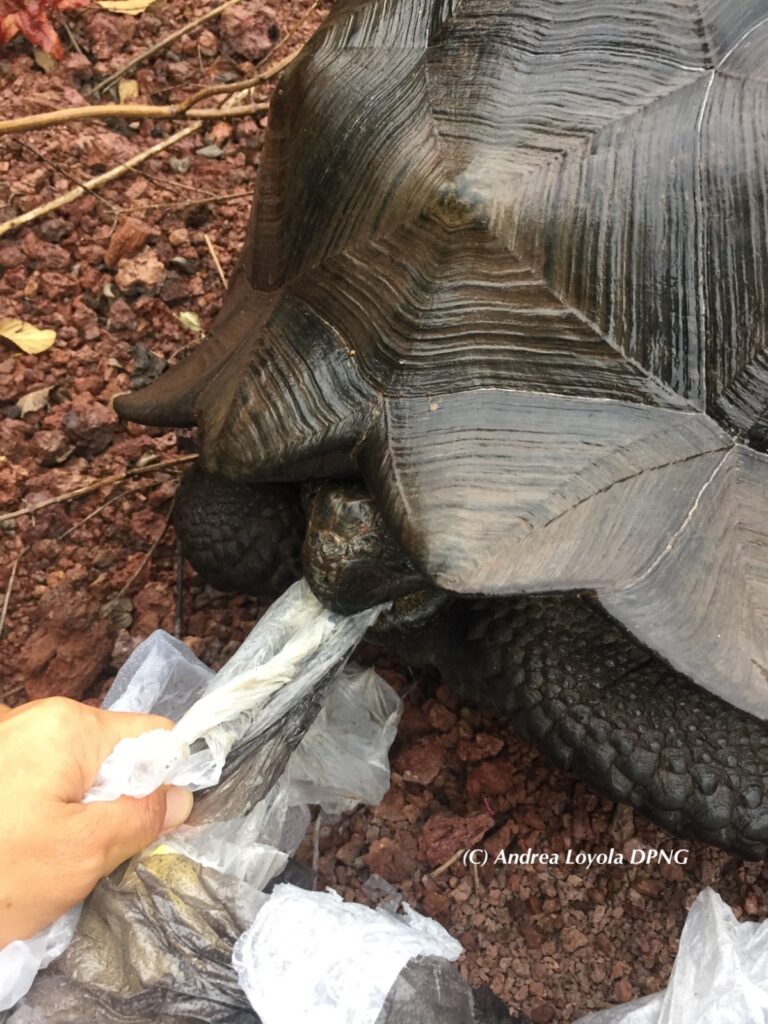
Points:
[[444, 867], [290, 35], [115, 77], [96, 511], [58, 169], [111, 175], [177, 187], [12, 692], [92, 183], [204, 200], [139, 158], [62, 536], [178, 618], [138, 111], [96, 485], [475, 878], [7, 598], [131, 111], [152, 549], [281, 65], [215, 258], [190, 26], [316, 851]]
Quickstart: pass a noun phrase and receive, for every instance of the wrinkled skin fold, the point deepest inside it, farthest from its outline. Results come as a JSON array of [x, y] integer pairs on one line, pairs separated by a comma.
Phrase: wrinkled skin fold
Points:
[[570, 679]]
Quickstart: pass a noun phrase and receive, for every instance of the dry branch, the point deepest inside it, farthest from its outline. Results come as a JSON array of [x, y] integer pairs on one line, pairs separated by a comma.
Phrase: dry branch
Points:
[[7, 598], [92, 183], [11, 693], [290, 35], [142, 111], [67, 174], [115, 172], [215, 258], [96, 485], [105, 504], [444, 867], [203, 200], [133, 112], [227, 109], [115, 77]]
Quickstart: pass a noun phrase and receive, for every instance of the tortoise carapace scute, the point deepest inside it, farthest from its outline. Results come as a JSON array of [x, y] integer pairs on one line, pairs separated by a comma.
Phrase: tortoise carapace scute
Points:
[[508, 262]]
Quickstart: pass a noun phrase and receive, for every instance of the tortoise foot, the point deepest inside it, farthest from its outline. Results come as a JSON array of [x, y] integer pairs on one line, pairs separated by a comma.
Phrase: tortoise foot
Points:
[[240, 536]]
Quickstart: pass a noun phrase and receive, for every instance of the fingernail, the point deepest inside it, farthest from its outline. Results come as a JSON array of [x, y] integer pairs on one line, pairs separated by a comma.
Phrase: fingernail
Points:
[[178, 805]]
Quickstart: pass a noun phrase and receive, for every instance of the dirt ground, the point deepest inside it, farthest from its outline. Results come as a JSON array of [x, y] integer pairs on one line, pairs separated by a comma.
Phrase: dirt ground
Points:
[[127, 277]]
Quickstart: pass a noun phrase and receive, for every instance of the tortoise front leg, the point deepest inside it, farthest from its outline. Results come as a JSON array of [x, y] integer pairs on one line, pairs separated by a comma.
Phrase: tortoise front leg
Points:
[[244, 537], [601, 705]]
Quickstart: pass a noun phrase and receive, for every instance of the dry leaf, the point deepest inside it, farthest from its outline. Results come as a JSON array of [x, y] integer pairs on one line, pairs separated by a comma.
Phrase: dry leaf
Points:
[[127, 89], [27, 337], [132, 7], [44, 60], [191, 321], [31, 20], [34, 401]]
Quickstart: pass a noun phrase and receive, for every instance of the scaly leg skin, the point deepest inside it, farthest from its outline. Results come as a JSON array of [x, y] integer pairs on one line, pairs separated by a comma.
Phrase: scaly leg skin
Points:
[[600, 705], [239, 536]]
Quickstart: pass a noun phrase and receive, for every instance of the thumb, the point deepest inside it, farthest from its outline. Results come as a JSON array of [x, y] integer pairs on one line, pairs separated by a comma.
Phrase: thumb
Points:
[[120, 828]]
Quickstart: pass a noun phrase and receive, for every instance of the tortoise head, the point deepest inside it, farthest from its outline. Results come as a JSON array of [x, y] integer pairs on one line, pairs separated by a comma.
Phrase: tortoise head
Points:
[[519, 293]]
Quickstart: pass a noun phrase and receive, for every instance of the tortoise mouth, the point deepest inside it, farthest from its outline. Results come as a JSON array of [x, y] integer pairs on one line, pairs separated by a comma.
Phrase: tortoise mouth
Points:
[[349, 557]]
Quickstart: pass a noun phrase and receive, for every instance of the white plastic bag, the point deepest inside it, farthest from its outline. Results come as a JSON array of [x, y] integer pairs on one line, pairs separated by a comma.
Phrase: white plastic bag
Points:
[[343, 760], [155, 943], [720, 974], [20, 961], [257, 708], [311, 958], [296, 644]]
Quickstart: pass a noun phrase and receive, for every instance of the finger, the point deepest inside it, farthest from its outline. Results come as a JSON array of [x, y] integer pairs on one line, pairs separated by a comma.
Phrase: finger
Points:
[[118, 829], [178, 807]]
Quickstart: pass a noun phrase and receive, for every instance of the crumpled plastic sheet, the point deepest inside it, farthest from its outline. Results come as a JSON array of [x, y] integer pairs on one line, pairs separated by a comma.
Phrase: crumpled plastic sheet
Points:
[[155, 940], [261, 704], [161, 675], [430, 990], [720, 974], [154, 946], [20, 961], [347, 742], [378, 968], [290, 970], [270, 687]]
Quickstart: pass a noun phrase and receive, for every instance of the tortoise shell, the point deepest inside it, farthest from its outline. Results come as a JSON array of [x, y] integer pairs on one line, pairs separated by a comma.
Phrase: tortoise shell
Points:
[[507, 261]]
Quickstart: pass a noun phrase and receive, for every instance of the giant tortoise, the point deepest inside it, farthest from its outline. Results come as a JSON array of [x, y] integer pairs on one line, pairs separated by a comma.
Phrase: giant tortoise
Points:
[[496, 351]]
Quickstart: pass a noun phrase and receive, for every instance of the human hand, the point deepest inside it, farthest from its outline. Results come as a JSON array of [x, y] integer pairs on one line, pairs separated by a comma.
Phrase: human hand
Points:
[[53, 848]]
